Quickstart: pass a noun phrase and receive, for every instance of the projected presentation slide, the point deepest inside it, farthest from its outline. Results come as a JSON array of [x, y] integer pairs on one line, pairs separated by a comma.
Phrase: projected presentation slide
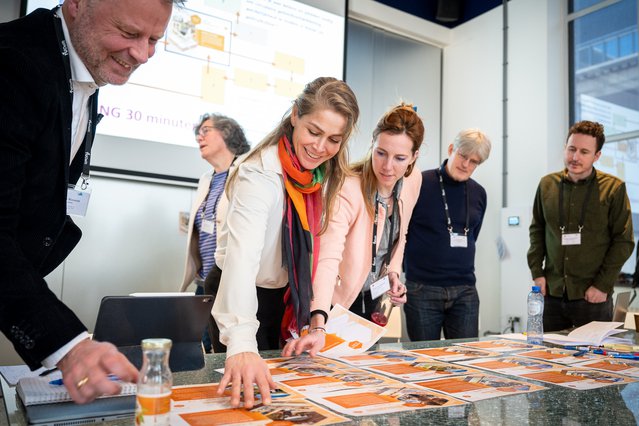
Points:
[[247, 59]]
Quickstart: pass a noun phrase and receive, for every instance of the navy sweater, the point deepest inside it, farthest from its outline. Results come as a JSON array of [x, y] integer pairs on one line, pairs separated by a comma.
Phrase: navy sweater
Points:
[[429, 259]]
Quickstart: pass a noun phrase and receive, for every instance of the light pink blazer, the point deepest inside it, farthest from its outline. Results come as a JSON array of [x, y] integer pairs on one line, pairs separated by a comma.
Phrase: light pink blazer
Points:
[[345, 248]]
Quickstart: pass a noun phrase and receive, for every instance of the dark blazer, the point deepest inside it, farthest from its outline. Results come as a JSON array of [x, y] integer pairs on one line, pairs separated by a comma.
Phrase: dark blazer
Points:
[[36, 234]]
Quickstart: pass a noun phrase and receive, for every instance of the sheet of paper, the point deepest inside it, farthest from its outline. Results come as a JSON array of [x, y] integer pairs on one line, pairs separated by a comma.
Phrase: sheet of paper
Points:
[[420, 370], [13, 373], [614, 365], [454, 353], [374, 400], [499, 345], [476, 387], [200, 405], [348, 333], [558, 355]]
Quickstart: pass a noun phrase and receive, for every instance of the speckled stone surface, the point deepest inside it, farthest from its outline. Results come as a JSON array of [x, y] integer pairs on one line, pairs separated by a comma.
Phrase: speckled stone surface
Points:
[[611, 405]]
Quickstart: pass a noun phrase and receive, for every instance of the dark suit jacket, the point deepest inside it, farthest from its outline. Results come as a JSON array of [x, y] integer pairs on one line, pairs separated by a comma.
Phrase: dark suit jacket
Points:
[[36, 234]]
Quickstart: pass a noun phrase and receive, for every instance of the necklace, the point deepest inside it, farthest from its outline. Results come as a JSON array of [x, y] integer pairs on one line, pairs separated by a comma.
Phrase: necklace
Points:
[[379, 195]]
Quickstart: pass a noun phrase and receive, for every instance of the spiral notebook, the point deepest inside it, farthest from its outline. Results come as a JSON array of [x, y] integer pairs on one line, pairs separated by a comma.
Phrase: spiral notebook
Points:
[[39, 390]]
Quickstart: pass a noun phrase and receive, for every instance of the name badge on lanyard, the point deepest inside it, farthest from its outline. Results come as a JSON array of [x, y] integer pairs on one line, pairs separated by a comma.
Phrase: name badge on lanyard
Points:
[[78, 200], [571, 239], [207, 226], [458, 240], [380, 287]]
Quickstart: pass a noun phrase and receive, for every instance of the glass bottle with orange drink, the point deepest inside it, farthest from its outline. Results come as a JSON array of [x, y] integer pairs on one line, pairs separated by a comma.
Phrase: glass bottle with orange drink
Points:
[[153, 401]]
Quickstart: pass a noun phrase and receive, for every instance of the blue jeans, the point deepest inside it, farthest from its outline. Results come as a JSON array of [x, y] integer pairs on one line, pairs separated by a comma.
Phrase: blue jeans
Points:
[[431, 308]]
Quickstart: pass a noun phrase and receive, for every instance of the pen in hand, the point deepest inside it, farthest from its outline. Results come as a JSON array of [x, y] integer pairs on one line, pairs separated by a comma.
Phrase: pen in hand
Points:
[[59, 382]]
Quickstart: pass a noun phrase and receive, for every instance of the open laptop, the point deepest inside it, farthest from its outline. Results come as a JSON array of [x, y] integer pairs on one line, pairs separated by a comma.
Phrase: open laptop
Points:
[[126, 320], [69, 413]]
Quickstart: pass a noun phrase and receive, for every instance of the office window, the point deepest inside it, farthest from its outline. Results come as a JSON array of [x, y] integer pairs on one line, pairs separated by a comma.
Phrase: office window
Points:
[[577, 5], [604, 67], [604, 85]]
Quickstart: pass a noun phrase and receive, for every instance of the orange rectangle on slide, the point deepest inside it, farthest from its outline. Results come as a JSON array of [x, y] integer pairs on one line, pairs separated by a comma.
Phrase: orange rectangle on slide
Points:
[[210, 40], [361, 400]]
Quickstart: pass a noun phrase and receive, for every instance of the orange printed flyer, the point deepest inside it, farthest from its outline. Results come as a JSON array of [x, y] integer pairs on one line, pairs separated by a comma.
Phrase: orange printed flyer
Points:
[[580, 378], [559, 355], [420, 370], [454, 353], [513, 365], [381, 356], [348, 333], [615, 365], [479, 386], [199, 405], [374, 400], [499, 345], [288, 412]]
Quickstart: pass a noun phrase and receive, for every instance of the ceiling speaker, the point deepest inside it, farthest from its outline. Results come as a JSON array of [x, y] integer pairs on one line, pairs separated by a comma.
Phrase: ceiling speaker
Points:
[[448, 10]]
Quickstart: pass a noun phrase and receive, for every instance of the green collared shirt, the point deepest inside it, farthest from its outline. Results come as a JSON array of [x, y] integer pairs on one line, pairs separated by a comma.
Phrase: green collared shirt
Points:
[[606, 237]]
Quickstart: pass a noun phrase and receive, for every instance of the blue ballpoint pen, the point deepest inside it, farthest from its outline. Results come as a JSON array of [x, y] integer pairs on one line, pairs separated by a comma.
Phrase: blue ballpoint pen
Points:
[[626, 356], [59, 382]]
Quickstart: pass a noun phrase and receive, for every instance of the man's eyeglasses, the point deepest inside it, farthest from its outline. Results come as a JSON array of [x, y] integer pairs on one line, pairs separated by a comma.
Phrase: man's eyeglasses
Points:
[[202, 131]]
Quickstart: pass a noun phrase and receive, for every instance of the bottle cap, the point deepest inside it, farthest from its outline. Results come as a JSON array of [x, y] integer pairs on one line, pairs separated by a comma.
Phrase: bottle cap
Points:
[[156, 344], [536, 289]]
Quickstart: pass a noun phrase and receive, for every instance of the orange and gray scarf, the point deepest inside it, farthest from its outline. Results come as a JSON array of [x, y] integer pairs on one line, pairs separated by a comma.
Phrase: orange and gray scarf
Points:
[[300, 242]]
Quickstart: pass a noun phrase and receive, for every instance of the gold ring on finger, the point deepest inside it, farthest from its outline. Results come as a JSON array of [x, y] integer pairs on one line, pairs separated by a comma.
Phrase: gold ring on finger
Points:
[[82, 382]]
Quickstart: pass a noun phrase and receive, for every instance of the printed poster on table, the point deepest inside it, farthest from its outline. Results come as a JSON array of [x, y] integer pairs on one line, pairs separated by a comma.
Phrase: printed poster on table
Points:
[[614, 365], [579, 378], [558, 355], [196, 405], [420, 370], [499, 345], [454, 353], [479, 386], [388, 356], [529, 368], [374, 400]]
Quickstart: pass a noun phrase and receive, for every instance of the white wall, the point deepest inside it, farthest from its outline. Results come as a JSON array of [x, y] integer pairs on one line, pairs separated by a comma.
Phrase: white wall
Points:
[[472, 82]]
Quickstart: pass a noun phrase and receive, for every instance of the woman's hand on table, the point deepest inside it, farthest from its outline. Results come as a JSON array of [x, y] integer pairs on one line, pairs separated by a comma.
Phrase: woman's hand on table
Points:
[[242, 371], [313, 342]]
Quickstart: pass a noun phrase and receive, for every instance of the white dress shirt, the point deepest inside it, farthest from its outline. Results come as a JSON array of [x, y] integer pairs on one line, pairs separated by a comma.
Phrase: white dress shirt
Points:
[[83, 88]]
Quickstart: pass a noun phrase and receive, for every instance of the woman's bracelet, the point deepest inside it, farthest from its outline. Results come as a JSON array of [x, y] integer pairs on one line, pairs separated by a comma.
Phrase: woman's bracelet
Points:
[[318, 328], [320, 312]]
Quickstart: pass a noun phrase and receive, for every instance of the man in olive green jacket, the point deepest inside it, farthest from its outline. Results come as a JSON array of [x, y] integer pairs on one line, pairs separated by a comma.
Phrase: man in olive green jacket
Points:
[[581, 234]]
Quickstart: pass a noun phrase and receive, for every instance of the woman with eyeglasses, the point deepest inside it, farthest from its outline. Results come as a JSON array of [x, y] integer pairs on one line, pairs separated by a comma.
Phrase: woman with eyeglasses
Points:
[[363, 245], [221, 141], [280, 200]]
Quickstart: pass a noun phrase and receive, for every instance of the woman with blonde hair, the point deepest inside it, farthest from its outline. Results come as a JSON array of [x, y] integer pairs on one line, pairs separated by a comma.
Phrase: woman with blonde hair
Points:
[[365, 238], [280, 199]]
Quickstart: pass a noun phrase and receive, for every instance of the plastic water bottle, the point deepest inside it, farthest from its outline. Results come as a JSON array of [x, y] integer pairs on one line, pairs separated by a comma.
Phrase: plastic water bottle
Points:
[[535, 325], [153, 402]]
